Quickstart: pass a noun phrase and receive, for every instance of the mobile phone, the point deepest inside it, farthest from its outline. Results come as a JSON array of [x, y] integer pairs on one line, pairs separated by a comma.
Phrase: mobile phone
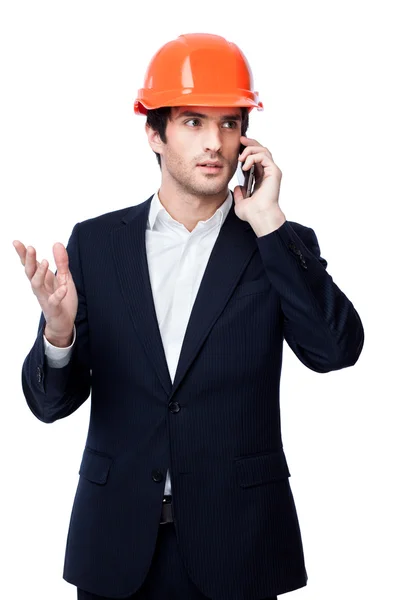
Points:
[[246, 178], [249, 178]]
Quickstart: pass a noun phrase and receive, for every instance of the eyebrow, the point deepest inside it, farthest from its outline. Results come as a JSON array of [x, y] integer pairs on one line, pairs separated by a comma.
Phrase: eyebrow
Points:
[[189, 113]]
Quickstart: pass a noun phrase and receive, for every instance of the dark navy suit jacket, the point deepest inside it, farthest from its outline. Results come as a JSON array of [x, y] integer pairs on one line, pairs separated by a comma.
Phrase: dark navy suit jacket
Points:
[[216, 427]]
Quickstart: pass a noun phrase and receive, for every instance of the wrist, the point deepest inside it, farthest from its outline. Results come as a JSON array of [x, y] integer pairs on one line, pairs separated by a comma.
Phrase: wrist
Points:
[[266, 222], [60, 341]]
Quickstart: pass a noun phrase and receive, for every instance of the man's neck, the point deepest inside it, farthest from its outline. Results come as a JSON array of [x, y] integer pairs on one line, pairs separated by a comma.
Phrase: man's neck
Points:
[[189, 210]]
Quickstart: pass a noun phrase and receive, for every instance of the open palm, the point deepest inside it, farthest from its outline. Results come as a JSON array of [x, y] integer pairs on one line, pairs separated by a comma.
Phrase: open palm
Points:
[[55, 292]]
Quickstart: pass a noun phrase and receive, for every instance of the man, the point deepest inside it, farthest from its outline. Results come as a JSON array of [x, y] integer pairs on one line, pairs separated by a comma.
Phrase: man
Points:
[[172, 315]]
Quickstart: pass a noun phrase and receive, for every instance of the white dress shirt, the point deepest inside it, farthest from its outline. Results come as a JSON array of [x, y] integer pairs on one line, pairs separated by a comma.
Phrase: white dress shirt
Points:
[[177, 259]]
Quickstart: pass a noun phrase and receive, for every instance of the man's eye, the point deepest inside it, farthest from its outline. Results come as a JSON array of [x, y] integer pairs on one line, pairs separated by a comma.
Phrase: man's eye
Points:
[[197, 121]]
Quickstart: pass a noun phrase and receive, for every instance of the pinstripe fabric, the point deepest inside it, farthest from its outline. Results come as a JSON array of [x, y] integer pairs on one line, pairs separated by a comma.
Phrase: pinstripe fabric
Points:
[[216, 427], [167, 578]]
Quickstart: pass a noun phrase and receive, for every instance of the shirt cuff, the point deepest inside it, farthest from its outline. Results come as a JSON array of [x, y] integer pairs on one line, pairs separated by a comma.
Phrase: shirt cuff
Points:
[[58, 357]]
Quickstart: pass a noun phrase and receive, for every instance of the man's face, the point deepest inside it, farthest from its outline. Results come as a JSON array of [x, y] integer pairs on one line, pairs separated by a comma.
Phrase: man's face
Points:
[[199, 134]]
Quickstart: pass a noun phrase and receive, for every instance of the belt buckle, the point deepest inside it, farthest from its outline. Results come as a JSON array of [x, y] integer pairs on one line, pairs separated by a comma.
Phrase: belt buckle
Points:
[[166, 511]]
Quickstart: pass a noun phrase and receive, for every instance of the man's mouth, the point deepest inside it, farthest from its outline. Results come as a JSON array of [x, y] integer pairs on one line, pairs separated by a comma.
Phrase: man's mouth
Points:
[[209, 168]]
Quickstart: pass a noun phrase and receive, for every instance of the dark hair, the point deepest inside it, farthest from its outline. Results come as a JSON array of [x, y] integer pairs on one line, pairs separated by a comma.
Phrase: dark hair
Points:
[[157, 119]]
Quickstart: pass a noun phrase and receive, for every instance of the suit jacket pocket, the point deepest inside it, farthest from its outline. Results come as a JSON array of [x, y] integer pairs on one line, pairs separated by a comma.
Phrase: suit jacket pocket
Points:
[[261, 468], [252, 287], [95, 466]]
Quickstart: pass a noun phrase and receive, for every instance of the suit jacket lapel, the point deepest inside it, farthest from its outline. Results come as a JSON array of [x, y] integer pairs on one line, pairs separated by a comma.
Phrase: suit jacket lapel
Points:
[[230, 255]]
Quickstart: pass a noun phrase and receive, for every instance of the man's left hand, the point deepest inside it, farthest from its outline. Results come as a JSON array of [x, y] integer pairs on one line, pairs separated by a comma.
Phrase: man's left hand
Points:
[[263, 204]]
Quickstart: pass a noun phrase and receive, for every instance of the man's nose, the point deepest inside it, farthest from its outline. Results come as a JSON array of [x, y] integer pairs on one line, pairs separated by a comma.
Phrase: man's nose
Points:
[[212, 140]]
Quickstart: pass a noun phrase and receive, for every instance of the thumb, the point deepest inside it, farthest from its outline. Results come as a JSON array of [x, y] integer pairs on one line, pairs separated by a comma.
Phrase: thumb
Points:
[[62, 263], [238, 193]]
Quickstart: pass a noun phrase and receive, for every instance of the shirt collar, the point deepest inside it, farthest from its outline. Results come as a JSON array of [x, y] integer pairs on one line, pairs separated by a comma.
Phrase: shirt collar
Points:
[[158, 211]]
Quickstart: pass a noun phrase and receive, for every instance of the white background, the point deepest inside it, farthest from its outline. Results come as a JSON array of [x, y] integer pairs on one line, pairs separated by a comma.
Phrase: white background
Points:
[[71, 148]]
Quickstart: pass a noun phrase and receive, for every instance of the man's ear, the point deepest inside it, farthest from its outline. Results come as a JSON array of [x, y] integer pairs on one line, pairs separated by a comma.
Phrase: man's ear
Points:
[[155, 141]]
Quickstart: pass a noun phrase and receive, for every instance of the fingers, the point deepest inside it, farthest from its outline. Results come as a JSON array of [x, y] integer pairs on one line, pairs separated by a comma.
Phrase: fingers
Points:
[[38, 277], [260, 160], [21, 250], [28, 259], [41, 278], [55, 299], [264, 166], [252, 159], [62, 263], [26, 253], [251, 150], [252, 147], [30, 262]]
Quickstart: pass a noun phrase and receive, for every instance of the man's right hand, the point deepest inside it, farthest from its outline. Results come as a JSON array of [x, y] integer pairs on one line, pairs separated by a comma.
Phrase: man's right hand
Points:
[[56, 293]]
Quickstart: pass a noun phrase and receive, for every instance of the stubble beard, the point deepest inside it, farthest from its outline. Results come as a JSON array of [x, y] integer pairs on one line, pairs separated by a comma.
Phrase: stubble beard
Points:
[[191, 182]]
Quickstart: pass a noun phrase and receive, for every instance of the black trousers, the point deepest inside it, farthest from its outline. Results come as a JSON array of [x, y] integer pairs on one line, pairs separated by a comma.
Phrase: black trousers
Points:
[[167, 578]]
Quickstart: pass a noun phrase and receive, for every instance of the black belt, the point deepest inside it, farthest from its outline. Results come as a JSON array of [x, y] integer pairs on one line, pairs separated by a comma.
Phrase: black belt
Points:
[[166, 511]]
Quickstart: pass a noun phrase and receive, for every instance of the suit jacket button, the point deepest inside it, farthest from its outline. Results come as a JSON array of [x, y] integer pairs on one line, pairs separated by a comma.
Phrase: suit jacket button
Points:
[[157, 476], [174, 407], [39, 374], [294, 248]]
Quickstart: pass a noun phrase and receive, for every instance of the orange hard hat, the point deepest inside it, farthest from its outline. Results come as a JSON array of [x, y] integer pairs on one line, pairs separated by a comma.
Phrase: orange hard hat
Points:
[[198, 69]]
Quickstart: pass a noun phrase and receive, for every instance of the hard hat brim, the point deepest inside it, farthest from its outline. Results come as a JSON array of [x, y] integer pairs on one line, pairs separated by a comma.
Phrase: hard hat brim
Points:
[[186, 98]]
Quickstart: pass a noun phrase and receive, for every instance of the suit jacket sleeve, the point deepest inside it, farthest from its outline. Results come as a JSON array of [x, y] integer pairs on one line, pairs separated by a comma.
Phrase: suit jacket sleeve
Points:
[[321, 325], [53, 393]]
